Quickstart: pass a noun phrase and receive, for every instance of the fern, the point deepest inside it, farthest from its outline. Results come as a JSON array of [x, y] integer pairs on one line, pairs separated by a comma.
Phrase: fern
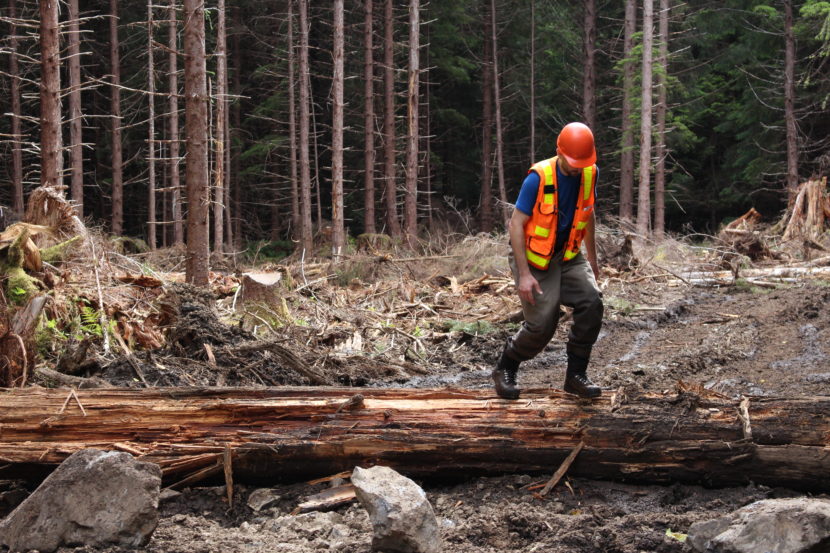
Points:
[[90, 321]]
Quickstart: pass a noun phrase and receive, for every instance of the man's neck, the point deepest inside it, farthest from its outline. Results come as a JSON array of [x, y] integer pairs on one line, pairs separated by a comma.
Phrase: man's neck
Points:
[[559, 166]]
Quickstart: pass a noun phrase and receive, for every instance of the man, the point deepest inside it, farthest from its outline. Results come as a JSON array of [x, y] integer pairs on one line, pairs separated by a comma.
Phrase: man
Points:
[[553, 215]]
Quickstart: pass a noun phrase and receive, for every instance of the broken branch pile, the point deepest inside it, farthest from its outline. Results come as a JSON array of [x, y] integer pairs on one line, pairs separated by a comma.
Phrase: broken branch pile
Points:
[[283, 433]]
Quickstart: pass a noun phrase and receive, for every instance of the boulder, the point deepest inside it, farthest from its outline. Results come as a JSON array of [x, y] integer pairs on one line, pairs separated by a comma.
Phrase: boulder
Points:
[[94, 498], [402, 518], [800, 525], [262, 498]]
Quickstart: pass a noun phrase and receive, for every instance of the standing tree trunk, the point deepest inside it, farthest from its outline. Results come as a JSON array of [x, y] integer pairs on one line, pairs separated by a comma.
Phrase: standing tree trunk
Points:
[[644, 203], [413, 134], [315, 136], [221, 116], [627, 150], [51, 146], [196, 140], [173, 126], [226, 124], [338, 236], [236, 234], [487, 130], [115, 112], [17, 135], [589, 71], [164, 230], [390, 166], [292, 125], [532, 82], [662, 108], [76, 153], [497, 102], [426, 147], [789, 100], [305, 122], [369, 120], [151, 131]]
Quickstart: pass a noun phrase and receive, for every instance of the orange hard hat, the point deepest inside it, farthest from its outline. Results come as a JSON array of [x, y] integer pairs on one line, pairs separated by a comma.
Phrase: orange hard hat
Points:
[[576, 145]]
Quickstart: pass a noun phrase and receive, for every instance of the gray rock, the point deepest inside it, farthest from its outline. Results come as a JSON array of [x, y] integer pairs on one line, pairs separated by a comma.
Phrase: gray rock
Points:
[[93, 498], [402, 518], [262, 498], [309, 526], [800, 525], [168, 495]]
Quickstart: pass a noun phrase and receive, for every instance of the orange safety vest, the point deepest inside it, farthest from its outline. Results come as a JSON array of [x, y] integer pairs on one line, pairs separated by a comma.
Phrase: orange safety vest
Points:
[[540, 229]]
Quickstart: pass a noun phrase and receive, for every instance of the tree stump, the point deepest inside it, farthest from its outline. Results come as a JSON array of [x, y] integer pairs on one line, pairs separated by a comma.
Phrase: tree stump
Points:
[[261, 288], [807, 220]]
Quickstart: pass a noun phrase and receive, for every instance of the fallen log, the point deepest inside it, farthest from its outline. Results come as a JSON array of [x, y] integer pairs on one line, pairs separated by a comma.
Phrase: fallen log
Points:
[[691, 435]]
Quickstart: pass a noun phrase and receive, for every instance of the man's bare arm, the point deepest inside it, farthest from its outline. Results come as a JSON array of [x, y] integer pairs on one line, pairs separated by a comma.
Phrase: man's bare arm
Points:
[[527, 283], [591, 245]]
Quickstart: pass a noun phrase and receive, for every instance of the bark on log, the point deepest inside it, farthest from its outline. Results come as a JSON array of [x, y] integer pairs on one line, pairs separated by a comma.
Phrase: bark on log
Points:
[[288, 433]]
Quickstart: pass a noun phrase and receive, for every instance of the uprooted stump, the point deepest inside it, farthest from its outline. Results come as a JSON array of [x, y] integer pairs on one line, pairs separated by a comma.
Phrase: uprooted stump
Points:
[[20, 255], [50, 223], [742, 237], [17, 356], [48, 207]]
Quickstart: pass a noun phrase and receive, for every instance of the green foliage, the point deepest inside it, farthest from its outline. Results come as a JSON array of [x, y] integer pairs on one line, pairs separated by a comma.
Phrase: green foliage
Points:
[[743, 285], [90, 321], [81, 322], [469, 327], [17, 293], [347, 272], [766, 11], [48, 336], [269, 250], [679, 536], [20, 286], [621, 305]]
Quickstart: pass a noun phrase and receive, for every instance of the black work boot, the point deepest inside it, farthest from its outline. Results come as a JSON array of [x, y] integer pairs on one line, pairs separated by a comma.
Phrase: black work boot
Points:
[[504, 376], [576, 379]]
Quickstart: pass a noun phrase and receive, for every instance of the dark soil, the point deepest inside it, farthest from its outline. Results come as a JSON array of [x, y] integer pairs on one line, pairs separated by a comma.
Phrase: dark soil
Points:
[[736, 340]]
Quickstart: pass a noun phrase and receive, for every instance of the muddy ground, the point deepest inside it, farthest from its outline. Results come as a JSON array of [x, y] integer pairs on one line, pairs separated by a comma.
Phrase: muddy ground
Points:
[[444, 331]]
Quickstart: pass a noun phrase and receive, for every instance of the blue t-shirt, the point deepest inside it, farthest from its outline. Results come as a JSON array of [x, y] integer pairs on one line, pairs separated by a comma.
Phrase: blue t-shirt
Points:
[[568, 189]]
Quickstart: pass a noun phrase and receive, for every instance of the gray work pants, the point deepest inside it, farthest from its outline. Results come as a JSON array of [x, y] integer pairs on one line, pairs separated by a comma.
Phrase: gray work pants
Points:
[[570, 283]]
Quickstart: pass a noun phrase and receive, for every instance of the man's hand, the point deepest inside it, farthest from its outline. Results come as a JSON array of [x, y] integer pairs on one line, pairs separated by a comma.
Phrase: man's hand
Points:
[[591, 246], [527, 283], [527, 286], [595, 269]]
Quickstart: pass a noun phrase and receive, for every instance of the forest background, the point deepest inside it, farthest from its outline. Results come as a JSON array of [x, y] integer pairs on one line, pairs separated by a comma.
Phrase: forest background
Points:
[[733, 114]]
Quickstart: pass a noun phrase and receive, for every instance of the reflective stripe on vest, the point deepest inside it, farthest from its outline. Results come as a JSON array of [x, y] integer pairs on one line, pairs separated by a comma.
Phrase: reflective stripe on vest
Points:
[[541, 227]]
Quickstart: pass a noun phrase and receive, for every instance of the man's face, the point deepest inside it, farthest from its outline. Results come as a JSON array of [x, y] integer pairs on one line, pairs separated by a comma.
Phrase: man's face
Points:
[[565, 167]]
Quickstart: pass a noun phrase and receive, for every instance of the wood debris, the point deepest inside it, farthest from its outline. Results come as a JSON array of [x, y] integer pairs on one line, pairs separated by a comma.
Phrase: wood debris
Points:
[[327, 499], [295, 432], [566, 464]]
